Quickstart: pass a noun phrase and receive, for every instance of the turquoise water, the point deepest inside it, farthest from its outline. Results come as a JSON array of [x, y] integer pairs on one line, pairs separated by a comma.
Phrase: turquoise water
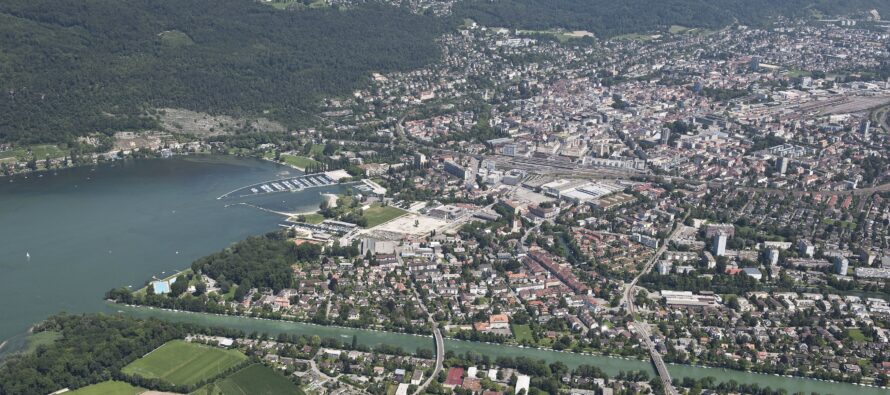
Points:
[[88, 230]]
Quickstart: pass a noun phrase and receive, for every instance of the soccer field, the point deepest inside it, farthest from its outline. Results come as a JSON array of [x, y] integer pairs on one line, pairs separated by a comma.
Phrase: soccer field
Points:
[[181, 363], [108, 388], [377, 215], [253, 380]]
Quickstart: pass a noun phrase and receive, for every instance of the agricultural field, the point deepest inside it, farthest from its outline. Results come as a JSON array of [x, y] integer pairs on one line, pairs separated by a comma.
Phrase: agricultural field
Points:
[[255, 379], [108, 388], [182, 363], [377, 214]]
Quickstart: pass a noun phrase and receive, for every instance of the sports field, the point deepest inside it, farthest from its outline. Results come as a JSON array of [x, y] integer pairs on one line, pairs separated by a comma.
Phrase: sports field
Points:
[[182, 363], [255, 379], [377, 214], [108, 388]]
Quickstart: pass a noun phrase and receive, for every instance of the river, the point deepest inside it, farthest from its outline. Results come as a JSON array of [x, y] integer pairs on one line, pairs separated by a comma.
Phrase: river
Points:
[[88, 230], [91, 229], [609, 365]]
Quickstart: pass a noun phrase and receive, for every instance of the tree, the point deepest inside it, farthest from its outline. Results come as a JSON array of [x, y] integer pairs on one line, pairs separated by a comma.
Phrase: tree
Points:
[[200, 288], [179, 286]]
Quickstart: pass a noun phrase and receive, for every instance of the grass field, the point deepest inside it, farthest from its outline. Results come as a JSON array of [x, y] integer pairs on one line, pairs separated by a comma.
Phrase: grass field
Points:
[[522, 332], [181, 363], [377, 215], [298, 161], [856, 335], [108, 388], [44, 338], [312, 218], [37, 151], [255, 379]]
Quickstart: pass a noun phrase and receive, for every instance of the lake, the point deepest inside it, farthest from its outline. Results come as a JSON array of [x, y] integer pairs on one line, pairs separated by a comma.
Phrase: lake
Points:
[[90, 229]]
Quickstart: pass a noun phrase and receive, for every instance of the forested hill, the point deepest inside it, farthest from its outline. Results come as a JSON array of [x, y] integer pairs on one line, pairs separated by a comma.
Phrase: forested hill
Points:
[[71, 67], [614, 17]]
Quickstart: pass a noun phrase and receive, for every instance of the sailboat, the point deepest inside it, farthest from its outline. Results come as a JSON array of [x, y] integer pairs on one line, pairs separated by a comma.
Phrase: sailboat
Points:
[[28, 256]]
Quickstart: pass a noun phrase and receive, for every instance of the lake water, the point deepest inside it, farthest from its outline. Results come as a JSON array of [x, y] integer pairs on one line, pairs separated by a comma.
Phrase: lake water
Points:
[[88, 230]]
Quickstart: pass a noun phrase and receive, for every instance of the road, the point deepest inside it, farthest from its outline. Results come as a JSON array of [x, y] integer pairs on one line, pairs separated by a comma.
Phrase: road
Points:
[[345, 388], [440, 345], [639, 326]]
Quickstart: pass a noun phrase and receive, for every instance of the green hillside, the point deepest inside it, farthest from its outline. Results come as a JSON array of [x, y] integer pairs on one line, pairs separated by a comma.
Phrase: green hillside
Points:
[[72, 67], [609, 18]]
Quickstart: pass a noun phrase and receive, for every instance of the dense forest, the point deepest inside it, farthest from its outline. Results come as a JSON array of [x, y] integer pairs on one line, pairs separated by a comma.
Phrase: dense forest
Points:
[[609, 18], [91, 348], [73, 67], [258, 261]]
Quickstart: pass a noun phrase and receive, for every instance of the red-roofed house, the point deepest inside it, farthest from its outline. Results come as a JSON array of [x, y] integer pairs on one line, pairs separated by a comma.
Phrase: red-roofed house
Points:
[[455, 377]]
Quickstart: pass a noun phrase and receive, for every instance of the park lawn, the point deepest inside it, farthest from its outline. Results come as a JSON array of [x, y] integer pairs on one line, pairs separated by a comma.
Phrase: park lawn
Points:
[[108, 388], [298, 161], [856, 335], [677, 29], [311, 218], [38, 339], [182, 363], [522, 332], [316, 149], [633, 37], [377, 214]]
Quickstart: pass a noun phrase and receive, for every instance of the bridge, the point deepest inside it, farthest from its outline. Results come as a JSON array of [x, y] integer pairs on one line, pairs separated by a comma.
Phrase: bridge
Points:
[[639, 327]]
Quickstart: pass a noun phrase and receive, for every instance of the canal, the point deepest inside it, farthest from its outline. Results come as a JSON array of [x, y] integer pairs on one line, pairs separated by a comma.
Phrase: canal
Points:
[[610, 365]]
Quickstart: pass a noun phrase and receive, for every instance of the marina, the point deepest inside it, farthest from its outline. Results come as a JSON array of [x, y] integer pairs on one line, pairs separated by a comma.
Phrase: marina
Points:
[[122, 225], [292, 184]]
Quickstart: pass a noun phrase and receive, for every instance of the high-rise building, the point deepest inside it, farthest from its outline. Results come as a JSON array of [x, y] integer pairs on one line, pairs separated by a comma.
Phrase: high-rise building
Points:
[[720, 244], [841, 265], [782, 165], [665, 136], [865, 128], [773, 257]]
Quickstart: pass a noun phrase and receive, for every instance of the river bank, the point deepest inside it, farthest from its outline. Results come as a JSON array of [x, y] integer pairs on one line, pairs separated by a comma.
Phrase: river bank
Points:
[[610, 365]]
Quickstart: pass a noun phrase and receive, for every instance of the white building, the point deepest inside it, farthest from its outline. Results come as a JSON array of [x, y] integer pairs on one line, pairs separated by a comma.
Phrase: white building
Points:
[[720, 244]]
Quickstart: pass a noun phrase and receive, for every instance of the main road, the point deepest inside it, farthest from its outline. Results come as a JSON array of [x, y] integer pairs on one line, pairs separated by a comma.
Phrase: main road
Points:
[[440, 345], [640, 327]]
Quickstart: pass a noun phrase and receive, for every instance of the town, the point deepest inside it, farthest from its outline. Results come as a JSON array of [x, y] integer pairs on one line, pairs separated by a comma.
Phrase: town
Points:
[[715, 198]]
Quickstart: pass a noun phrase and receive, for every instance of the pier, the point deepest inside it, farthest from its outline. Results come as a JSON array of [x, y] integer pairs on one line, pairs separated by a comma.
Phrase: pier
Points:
[[291, 184]]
